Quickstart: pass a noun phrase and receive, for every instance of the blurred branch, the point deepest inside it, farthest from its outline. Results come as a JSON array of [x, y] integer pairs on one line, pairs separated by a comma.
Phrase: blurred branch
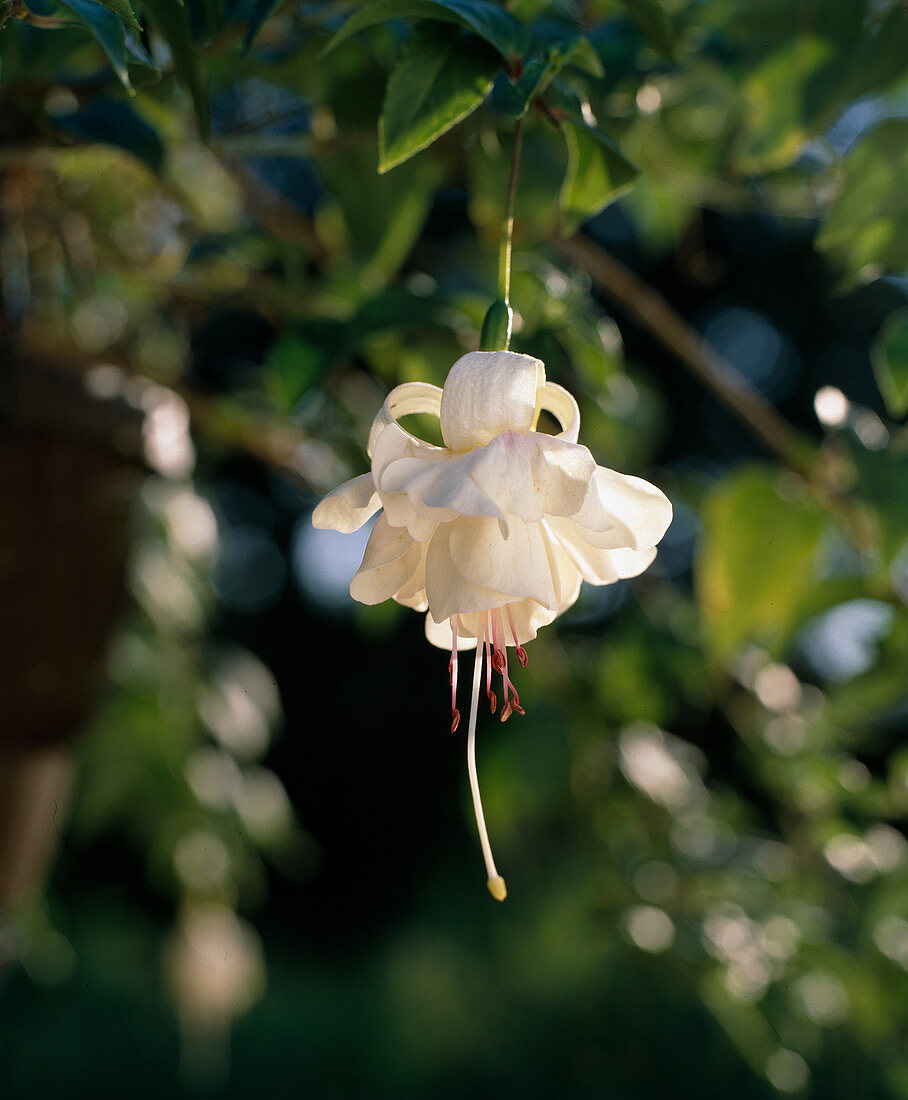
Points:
[[646, 306]]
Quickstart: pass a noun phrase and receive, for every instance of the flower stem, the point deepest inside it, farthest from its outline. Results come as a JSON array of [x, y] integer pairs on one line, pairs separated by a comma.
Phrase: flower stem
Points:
[[507, 229], [496, 885]]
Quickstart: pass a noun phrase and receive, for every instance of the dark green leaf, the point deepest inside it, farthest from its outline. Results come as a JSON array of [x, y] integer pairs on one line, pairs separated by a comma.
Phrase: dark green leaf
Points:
[[597, 174], [496, 25], [865, 231], [172, 20], [441, 77], [114, 123], [882, 483], [513, 97], [107, 29], [122, 9], [757, 561], [890, 363], [298, 360], [653, 23]]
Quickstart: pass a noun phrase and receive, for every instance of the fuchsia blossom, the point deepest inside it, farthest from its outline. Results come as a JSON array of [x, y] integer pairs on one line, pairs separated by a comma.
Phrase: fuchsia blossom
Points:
[[493, 533]]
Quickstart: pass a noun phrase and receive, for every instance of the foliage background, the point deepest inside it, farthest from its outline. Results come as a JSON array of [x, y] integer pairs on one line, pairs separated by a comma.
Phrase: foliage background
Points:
[[268, 878]]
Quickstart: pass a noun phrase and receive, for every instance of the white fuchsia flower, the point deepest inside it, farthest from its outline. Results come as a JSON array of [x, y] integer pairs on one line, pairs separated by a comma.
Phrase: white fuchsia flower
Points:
[[493, 533]]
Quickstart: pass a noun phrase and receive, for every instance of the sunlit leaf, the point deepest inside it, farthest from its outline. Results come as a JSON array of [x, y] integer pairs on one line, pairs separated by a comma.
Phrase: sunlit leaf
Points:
[[597, 174], [756, 562], [865, 231], [441, 77]]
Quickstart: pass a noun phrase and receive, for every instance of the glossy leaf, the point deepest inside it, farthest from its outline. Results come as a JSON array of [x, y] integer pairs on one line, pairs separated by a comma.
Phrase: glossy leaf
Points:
[[123, 11], [442, 76], [597, 174], [494, 24], [108, 31]]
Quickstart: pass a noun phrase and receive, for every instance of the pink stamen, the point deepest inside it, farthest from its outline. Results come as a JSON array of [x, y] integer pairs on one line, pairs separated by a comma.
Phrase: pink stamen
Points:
[[493, 699], [500, 662], [452, 676], [521, 652]]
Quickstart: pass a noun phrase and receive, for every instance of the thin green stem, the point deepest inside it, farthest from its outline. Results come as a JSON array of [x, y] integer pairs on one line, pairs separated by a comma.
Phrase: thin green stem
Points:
[[507, 229]]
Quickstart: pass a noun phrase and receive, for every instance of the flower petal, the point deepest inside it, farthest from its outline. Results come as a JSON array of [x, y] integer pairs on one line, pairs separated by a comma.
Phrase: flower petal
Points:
[[532, 475], [411, 397], [516, 565], [621, 510], [448, 591], [390, 560], [599, 565], [561, 404], [348, 506], [487, 393], [442, 635]]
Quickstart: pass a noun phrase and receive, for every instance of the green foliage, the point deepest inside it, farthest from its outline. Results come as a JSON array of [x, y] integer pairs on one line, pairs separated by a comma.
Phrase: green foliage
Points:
[[489, 21], [865, 227], [758, 558], [441, 77], [890, 363], [107, 28], [597, 173]]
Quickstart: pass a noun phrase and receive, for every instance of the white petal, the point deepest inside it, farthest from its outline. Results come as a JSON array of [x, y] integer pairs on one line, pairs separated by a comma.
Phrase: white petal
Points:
[[448, 592], [598, 565], [348, 506], [390, 560], [644, 509], [440, 634], [532, 475], [487, 393], [620, 510], [411, 397], [517, 565], [561, 404]]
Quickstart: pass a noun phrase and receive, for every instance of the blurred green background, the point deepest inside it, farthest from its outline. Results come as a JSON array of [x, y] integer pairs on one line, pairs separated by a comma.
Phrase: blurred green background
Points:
[[237, 855]]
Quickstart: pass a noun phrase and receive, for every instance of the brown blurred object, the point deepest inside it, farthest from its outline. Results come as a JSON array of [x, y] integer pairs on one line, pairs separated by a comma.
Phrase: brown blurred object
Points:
[[70, 464]]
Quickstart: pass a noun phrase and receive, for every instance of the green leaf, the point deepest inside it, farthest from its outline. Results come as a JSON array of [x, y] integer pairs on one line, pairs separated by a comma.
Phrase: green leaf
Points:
[[494, 24], [297, 361], [865, 231], [653, 23], [122, 9], [890, 363], [442, 76], [757, 561], [597, 174], [882, 485], [108, 31], [172, 20], [514, 97]]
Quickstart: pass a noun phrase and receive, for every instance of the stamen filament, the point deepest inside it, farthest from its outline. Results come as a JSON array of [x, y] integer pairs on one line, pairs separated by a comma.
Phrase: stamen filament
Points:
[[452, 676], [496, 885]]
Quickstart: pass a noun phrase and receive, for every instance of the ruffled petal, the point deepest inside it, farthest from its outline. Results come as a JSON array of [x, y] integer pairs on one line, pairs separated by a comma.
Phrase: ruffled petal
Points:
[[623, 511], [532, 475], [517, 565], [411, 397], [487, 393], [556, 400], [599, 565], [447, 590], [390, 560], [348, 506]]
